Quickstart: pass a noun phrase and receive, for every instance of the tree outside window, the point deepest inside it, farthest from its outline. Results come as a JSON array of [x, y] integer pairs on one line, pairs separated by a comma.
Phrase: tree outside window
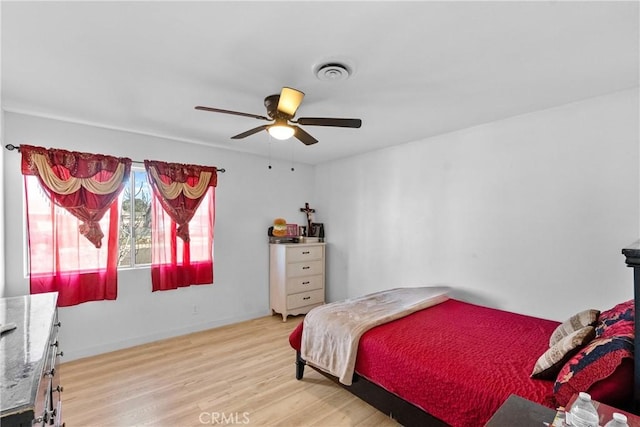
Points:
[[135, 221]]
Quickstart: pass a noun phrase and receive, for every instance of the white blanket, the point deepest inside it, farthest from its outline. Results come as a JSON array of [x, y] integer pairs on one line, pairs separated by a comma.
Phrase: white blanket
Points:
[[331, 332]]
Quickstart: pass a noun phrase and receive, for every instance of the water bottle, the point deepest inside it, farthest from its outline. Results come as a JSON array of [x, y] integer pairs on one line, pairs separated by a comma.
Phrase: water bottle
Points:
[[618, 420], [583, 413]]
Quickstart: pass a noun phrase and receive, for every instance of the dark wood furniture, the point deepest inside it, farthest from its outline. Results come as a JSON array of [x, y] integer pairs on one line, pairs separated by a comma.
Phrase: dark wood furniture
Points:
[[405, 413], [516, 411], [29, 386], [605, 412]]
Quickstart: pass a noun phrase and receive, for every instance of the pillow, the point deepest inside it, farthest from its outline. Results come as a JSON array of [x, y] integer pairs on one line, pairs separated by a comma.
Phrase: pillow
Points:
[[622, 327], [550, 363], [617, 321], [618, 310], [596, 362], [574, 323], [617, 389]]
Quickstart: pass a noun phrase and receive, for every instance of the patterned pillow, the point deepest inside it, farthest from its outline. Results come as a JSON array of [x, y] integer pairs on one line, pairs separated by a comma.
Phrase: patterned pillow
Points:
[[574, 323], [617, 389], [595, 362], [550, 363], [617, 321]]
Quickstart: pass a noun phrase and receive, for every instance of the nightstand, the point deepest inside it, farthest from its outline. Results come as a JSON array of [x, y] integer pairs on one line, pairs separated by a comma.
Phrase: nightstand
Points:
[[605, 412], [516, 411]]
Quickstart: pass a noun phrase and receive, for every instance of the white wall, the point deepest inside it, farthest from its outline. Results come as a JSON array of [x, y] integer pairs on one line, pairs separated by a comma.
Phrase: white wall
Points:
[[2, 206], [248, 198], [2, 224], [528, 214]]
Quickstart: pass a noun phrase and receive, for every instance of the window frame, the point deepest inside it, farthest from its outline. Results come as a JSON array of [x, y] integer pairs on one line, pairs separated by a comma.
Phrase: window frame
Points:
[[131, 186]]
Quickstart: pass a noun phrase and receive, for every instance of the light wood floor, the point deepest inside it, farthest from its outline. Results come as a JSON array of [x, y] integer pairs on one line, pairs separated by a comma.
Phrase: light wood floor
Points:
[[242, 374]]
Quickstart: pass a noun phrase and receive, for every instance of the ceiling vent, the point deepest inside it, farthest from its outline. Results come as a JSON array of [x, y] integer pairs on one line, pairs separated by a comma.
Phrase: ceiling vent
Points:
[[333, 72]]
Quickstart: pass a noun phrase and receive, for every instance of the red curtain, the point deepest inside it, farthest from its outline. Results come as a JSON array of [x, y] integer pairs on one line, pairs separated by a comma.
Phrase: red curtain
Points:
[[183, 217], [68, 197]]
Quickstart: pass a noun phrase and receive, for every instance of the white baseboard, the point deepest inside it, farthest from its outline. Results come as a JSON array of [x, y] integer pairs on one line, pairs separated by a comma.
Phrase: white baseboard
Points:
[[132, 342]]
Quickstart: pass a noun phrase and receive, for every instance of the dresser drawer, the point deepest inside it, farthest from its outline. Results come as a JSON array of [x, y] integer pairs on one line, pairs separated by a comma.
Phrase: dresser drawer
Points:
[[303, 284], [304, 268], [303, 253], [305, 298]]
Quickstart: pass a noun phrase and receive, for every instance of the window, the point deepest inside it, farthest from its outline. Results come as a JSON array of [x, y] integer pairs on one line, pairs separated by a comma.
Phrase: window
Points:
[[134, 234], [72, 222], [90, 214], [50, 226], [134, 247], [134, 239]]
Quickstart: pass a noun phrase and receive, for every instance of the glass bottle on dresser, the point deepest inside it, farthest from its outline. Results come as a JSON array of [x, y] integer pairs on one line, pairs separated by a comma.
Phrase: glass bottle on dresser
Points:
[[583, 413], [618, 420]]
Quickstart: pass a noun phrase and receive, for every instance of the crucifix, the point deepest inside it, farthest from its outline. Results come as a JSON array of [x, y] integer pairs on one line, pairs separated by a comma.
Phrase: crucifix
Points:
[[307, 210]]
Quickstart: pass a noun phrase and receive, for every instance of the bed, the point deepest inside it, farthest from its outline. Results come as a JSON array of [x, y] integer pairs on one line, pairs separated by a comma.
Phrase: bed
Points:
[[455, 363]]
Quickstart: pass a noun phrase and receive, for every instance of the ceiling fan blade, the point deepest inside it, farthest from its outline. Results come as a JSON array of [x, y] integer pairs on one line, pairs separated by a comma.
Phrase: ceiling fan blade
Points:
[[326, 121], [250, 132], [236, 113], [304, 137], [290, 100]]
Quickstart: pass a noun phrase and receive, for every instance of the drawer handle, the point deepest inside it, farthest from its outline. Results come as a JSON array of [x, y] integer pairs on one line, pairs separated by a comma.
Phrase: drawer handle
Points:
[[61, 354], [306, 267], [58, 324], [306, 283], [48, 417], [306, 252], [51, 373], [306, 298], [54, 344], [59, 389]]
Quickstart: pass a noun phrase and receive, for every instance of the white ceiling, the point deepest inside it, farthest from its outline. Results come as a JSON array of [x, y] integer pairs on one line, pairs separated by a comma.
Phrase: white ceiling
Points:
[[420, 68]]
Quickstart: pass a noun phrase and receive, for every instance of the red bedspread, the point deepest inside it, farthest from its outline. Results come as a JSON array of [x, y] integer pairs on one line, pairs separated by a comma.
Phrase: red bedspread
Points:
[[457, 361]]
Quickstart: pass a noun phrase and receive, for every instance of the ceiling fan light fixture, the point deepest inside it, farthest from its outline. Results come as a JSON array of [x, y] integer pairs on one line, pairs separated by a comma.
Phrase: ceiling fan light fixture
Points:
[[281, 131], [282, 109]]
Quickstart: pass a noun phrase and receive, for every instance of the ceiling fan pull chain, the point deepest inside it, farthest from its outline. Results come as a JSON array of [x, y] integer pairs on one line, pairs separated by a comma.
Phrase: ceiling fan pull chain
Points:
[[293, 147], [270, 151]]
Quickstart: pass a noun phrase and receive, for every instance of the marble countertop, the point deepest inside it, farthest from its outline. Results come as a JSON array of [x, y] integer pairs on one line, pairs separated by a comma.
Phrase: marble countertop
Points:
[[23, 350]]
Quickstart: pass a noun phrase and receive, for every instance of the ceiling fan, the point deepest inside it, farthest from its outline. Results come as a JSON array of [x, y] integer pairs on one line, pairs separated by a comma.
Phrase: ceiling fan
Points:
[[281, 109]]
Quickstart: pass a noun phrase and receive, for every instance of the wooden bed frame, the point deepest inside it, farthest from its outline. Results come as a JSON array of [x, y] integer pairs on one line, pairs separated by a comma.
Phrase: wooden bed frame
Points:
[[408, 414], [405, 413]]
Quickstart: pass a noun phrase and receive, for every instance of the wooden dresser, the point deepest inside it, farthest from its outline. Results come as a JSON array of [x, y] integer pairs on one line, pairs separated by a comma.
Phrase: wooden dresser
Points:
[[296, 277], [29, 386]]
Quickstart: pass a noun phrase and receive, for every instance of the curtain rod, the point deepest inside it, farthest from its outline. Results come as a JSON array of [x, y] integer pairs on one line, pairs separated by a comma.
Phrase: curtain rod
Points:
[[12, 147]]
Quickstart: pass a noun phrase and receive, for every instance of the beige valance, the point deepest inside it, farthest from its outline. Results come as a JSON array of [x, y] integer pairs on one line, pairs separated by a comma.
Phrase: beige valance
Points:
[[73, 184], [173, 190]]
